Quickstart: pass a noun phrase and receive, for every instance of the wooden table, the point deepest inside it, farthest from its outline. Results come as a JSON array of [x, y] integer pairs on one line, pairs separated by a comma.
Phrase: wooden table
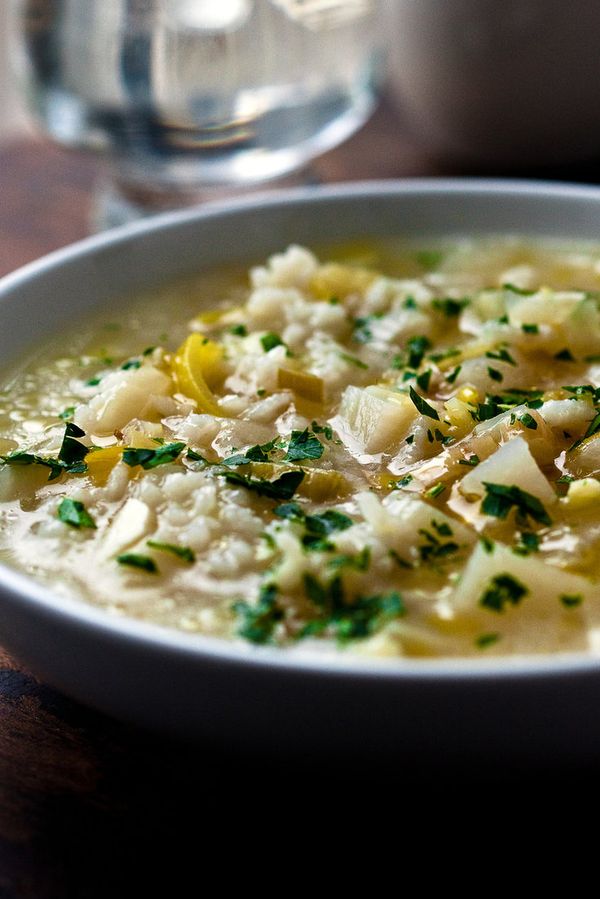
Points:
[[85, 801]]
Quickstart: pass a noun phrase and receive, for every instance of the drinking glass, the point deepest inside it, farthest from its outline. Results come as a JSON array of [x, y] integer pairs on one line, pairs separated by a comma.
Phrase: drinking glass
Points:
[[185, 96]]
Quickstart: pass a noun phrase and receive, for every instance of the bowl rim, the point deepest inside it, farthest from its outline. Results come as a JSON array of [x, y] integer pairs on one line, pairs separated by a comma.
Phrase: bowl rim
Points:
[[55, 607]]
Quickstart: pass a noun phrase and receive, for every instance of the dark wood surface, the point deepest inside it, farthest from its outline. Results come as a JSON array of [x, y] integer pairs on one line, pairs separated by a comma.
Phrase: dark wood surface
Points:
[[87, 804]]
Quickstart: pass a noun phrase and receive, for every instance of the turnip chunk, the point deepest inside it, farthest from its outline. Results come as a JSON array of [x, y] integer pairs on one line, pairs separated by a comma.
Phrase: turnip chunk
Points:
[[550, 610], [399, 522], [585, 459], [122, 396], [572, 415], [377, 418], [512, 465], [133, 521]]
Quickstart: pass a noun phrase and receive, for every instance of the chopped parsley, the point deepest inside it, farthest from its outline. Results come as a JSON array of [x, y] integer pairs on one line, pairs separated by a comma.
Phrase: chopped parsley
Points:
[[325, 430], [72, 452], [494, 374], [529, 421], [360, 561], [257, 622], [348, 618], [362, 327], [451, 378], [353, 360], [137, 560], [530, 329], [449, 306], [565, 355], [422, 406], [520, 291], [151, 458], [501, 355], [182, 552], [67, 413], [503, 590], [423, 380], [571, 600], [70, 457], [417, 347], [257, 453], [283, 487], [269, 341], [74, 513], [471, 460], [433, 549], [303, 445], [131, 363], [485, 640], [500, 499], [240, 331], [529, 543]]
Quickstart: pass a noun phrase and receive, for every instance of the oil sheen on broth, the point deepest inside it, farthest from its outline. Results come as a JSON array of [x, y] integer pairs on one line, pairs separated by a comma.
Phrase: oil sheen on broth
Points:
[[385, 449]]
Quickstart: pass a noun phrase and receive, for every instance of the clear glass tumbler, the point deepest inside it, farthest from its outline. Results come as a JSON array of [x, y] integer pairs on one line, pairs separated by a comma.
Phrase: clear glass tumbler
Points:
[[187, 95]]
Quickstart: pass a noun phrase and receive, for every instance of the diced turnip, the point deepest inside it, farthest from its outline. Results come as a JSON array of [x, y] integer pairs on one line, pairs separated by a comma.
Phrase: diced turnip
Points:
[[123, 396], [377, 418], [132, 522], [530, 605], [512, 465]]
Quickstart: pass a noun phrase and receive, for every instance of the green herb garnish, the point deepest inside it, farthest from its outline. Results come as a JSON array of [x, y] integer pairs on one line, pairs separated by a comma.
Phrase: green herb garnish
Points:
[[303, 445], [182, 552], [565, 355], [570, 600], [352, 360], [449, 306], [422, 406], [423, 380], [282, 488], [503, 590], [270, 341], [74, 513], [151, 458], [137, 560], [500, 499], [485, 640], [501, 355], [259, 621]]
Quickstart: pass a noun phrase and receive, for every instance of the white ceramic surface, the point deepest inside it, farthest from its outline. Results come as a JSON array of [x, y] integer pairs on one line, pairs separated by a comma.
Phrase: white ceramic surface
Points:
[[200, 687]]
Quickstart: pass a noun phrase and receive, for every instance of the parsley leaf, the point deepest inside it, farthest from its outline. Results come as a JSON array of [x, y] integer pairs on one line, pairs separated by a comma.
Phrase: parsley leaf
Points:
[[182, 552], [422, 406], [449, 306], [502, 590], [303, 445], [74, 513], [500, 499], [269, 341], [257, 453], [72, 451], [353, 360], [417, 347], [151, 458], [258, 621], [137, 560], [283, 487]]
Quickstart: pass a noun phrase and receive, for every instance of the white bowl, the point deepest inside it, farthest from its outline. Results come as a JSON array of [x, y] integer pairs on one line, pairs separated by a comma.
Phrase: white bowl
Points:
[[202, 687]]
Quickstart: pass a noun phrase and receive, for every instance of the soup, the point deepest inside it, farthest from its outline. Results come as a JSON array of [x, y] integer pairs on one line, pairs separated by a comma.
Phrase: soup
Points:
[[393, 452]]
